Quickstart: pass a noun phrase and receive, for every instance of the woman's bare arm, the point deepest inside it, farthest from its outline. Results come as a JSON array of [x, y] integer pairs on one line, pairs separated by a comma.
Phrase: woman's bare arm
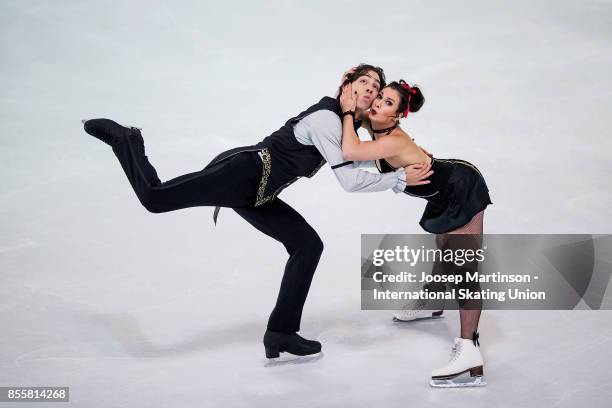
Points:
[[355, 149], [352, 147]]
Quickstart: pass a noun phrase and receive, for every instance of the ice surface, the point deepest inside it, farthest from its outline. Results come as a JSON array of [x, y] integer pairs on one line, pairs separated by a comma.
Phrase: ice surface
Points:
[[132, 309]]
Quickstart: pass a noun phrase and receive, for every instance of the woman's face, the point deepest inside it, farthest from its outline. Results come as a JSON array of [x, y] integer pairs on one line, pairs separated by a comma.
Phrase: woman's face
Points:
[[384, 107]]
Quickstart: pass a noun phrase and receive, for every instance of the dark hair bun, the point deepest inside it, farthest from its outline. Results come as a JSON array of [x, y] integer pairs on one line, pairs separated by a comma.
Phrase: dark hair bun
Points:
[[416, 100], [410, 96]]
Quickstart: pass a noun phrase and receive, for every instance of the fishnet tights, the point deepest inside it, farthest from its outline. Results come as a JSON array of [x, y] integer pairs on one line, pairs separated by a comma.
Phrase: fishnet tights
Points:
[[470, 316]]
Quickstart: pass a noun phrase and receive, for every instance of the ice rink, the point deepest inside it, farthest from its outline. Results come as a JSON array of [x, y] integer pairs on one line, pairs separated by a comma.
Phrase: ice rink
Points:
[[134, 309]]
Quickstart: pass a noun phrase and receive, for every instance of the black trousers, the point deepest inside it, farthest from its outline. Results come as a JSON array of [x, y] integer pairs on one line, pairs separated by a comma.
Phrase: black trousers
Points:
[[233, 182]]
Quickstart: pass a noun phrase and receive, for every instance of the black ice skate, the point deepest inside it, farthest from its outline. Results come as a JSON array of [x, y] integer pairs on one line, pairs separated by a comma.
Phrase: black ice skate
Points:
[[277, 343], [106, 130]]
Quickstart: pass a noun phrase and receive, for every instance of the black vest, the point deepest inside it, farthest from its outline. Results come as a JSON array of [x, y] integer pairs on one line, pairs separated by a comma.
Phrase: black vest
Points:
[[284, 158]]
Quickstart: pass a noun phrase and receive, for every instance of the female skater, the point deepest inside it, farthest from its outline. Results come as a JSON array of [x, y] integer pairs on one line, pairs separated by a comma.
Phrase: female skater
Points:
[[456, 198]]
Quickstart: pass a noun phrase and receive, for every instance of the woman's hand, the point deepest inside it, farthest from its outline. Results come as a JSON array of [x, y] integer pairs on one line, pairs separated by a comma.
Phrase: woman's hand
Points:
[[348, 101], [346, 74]]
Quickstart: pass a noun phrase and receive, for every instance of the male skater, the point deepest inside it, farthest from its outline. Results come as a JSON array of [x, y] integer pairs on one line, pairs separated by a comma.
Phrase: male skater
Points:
[[248, 180]]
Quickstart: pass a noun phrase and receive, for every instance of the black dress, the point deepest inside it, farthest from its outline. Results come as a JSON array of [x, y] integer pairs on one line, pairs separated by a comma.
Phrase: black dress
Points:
[[456, 193]]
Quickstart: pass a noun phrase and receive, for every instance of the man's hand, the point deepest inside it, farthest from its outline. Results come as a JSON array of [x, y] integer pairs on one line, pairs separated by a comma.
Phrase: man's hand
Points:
[[417, 173]]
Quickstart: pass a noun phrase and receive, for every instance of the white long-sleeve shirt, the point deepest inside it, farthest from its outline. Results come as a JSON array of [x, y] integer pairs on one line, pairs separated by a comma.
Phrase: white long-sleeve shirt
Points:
[[323, 129]]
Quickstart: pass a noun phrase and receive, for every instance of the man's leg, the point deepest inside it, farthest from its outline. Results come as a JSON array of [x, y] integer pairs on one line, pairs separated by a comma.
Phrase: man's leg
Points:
[[231, 183], [281, 222]]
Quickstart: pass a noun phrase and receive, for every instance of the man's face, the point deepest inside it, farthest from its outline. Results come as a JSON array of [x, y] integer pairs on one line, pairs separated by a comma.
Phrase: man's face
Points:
[[366, 88]]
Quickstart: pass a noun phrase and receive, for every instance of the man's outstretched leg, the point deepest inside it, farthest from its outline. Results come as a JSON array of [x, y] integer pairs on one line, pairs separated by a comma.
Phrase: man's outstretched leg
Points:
[[281, 222], [232, 183]]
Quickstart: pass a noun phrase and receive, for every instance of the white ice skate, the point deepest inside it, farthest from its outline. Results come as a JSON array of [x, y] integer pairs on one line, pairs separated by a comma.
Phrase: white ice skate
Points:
[[418, 312], [464, 368]]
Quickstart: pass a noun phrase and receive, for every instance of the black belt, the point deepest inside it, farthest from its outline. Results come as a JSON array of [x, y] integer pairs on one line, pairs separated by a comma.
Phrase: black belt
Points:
[[342, 164]]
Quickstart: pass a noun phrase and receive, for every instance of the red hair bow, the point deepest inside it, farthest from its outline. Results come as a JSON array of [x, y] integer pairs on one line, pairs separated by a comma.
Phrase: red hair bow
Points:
[[412, 92]]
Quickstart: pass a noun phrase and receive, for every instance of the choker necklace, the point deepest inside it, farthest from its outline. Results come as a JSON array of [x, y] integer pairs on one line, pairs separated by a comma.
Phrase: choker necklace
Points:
[[386, 130]]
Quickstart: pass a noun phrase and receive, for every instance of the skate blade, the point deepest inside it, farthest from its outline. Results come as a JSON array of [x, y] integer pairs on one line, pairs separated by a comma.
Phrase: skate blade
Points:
[[459, 382], [432, 317], [288, 358]]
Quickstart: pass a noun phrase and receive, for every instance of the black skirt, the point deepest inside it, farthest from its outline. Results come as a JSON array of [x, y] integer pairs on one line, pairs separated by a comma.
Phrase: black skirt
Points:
[[457, 193]]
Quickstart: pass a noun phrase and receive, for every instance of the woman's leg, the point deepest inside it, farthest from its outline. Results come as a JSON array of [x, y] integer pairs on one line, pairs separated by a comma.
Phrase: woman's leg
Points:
[[466, 356], [470, 313]]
